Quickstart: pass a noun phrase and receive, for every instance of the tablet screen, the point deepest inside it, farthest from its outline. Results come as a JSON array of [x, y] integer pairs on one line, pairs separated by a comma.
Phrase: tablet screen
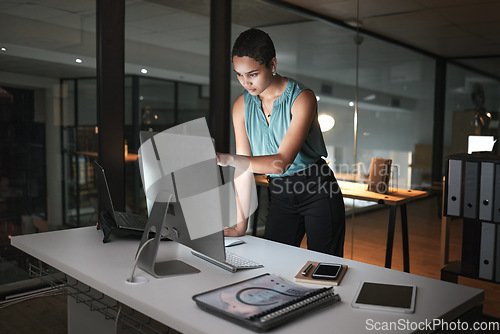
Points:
[[385, 296]]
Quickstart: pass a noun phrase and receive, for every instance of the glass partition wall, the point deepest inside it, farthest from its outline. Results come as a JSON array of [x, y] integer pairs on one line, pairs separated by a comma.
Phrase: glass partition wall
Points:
[[166, 84], [394, 91], [472, 107], [39, 45], [151, 104]]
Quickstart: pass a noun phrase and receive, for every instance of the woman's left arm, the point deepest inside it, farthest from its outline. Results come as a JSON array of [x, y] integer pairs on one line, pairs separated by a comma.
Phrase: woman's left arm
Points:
[[304, 111]]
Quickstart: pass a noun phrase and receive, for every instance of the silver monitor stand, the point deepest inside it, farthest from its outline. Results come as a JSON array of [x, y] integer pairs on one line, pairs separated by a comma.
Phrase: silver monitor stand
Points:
[[158, 225]]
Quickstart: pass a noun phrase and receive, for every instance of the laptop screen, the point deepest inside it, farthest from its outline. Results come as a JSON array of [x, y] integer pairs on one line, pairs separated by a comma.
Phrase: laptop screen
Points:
[[107, 203]]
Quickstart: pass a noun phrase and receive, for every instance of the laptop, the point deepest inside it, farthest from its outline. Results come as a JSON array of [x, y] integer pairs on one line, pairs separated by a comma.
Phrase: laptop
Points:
[[115, 221]]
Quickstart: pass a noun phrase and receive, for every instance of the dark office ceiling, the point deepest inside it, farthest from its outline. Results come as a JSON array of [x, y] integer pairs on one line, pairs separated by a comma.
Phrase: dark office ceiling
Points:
[[42, 34], [465, 30]]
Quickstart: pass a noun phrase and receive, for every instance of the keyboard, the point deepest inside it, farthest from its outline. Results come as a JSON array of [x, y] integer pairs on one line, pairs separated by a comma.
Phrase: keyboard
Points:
[[132, 220], [243, 263], [240, 262]]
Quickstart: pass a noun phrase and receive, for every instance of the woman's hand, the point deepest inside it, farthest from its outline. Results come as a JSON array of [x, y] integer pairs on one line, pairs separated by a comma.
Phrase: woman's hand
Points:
[[224, 159], [237, 231]]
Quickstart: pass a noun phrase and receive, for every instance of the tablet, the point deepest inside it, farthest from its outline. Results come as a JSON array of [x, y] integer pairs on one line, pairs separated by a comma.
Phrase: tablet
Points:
[[385, 297]]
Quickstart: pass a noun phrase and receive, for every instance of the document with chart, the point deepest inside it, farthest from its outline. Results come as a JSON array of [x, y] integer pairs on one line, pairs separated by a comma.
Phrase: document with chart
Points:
[[264, 302]]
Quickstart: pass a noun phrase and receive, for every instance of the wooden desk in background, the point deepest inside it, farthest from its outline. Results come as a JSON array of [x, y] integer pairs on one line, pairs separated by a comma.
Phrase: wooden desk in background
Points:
[[129, 157], [397, 198]]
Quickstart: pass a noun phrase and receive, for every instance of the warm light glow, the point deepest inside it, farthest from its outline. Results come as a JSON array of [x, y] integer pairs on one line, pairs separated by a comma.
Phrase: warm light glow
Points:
[[326, 122], [96, 130]]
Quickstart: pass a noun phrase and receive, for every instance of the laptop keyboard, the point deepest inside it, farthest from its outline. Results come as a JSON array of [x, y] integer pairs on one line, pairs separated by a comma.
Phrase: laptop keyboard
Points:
[[131, 220], [241, 262]]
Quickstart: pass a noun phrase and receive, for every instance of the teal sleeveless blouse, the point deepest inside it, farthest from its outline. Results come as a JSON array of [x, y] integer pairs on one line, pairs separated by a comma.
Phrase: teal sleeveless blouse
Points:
[[265, 139]]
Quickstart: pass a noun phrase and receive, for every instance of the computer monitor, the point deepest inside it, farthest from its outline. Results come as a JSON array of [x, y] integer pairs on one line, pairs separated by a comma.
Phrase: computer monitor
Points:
[[480, 144], [182, 183]]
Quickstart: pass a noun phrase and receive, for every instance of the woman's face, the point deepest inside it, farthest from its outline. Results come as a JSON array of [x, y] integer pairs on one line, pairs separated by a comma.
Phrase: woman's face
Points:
[[253, 76]]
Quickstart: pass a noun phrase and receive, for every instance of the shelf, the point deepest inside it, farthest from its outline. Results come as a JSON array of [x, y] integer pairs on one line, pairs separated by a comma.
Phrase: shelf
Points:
[[129, 319]]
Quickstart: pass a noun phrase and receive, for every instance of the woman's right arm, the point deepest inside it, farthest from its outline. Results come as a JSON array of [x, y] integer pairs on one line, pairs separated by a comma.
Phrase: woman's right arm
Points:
[[240, 132], [243, 178]]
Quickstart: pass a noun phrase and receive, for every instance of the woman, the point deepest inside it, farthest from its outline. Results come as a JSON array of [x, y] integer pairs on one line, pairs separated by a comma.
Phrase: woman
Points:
[[277, 133]]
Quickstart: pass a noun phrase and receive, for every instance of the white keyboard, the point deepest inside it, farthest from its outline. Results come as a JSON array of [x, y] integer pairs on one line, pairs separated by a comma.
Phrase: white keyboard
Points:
[[240, 262]]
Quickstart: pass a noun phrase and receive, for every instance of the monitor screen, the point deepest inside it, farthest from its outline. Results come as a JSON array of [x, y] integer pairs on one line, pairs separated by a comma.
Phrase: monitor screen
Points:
[[180, 175], [480, 144]]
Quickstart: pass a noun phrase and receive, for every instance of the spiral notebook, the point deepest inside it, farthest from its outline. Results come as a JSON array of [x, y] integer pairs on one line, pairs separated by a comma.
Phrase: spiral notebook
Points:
[[264, 302]]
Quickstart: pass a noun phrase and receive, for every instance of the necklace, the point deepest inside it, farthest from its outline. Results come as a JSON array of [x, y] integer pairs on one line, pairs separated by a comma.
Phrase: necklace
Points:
[[266, 110]]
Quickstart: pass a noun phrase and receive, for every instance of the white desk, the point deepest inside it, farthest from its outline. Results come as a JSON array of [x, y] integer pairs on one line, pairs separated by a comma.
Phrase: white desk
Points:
[[81, 254]]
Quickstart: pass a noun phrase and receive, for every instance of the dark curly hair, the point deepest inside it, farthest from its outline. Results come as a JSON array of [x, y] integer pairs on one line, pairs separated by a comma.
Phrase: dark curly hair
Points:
[[256, 44]]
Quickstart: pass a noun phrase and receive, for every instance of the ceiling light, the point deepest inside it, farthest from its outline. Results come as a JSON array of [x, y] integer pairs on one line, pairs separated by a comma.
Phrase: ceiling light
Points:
[[351, 104], [3, 49], [353, 23], [144, 71], [317, 98], [326, 122], [370, 97], [78, 60]]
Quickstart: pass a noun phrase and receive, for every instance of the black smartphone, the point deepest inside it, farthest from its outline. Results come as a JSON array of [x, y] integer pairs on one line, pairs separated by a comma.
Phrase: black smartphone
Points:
[[327, 271]]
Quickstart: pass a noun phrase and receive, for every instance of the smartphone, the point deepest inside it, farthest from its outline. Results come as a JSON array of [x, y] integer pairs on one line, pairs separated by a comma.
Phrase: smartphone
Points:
[[327, 271]]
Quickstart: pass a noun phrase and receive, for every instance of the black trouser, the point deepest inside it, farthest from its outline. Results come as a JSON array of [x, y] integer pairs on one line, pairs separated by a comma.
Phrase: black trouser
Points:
[[308, 202]]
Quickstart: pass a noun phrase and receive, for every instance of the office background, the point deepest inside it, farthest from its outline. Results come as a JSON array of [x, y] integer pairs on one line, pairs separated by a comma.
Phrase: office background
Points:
[[397, 77]]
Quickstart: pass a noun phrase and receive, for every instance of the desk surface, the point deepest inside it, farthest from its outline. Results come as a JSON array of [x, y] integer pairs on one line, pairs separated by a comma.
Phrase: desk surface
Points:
[[359, 191], [395, 197], [129, 157], [81, 254]]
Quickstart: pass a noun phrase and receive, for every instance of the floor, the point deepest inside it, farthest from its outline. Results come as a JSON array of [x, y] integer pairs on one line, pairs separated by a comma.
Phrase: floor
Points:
[[365, 241]]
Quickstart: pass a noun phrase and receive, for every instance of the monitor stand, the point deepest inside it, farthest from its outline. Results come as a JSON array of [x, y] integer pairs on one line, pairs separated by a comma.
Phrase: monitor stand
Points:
[[147, 257]]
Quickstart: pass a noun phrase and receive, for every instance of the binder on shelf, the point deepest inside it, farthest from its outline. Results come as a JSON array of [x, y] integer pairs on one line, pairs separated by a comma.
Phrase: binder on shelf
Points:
[[471, 185], [497, 256], [264, 302], [472, 192], [454, 185], [471, 245], [486, 188], [496, 199], [487, 253]]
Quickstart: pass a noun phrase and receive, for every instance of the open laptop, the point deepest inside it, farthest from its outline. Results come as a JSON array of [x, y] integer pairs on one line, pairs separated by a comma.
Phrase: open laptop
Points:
[[111, 221]]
